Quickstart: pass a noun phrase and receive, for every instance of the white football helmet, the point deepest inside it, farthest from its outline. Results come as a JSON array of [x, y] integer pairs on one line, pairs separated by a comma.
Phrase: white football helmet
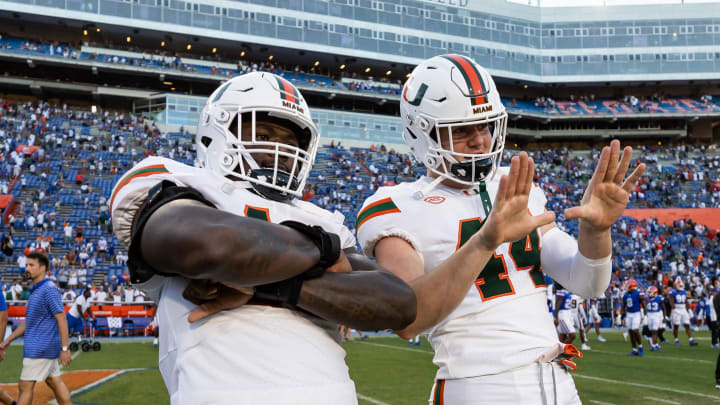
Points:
[[253, 97], [449, 91]]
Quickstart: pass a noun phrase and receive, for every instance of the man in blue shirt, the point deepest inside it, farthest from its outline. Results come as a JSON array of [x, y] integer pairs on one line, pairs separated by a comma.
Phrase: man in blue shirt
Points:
[[46, 335]]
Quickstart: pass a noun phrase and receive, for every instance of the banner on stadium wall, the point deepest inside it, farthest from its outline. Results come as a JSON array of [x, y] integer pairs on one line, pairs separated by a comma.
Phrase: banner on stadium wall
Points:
[[5, 200], [709, 217], [27, 150]]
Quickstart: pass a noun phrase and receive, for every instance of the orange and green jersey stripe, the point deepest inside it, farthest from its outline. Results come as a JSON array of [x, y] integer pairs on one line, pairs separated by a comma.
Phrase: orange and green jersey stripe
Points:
[[381, 207], [473, 78], [287, 91], [439, 392], [141, 172]]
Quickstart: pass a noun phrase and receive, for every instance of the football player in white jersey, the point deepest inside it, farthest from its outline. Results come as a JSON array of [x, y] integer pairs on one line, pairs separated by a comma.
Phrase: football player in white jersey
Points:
[[235, 222], [679, 315], [594, 319], [581, 321], [484, 309]]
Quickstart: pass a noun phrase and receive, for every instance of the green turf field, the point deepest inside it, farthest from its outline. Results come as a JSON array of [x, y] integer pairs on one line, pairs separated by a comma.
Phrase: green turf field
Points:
[[387, 371]]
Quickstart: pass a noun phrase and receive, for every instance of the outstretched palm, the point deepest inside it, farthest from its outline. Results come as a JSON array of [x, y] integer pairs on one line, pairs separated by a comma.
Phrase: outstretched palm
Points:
[[607, 194], [510, 218]]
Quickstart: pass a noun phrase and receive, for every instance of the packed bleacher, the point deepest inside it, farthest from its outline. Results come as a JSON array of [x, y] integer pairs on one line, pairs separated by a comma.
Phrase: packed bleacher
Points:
[[58, 166], [628, 104]]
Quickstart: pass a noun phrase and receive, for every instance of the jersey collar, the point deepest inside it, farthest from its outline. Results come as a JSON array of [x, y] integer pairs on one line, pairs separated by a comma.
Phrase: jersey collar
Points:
[[35, 287]]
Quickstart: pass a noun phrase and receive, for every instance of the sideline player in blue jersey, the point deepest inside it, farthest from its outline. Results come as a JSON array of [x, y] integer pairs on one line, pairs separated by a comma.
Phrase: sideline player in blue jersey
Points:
[[679, 315], [655, 315], [565, 315], [633, 302]]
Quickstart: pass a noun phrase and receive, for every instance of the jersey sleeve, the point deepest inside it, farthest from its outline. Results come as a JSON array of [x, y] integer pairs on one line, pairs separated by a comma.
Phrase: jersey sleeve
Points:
[[381, 216], [335, 222], [131, 192], [347, 239]]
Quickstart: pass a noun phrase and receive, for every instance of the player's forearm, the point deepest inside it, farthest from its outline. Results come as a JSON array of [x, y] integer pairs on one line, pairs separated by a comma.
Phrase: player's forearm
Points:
[[62, 328], [453, 278], [594, 243], [199, 242], [564, 261], [366, 300]]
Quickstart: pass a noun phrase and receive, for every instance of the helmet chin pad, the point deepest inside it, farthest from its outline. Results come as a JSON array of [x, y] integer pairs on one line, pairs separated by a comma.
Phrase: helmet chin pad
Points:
[[464, 171], [265, 176]]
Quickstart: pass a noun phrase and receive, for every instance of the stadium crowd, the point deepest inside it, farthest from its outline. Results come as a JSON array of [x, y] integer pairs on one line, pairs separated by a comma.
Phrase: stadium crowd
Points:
[[59, 164]]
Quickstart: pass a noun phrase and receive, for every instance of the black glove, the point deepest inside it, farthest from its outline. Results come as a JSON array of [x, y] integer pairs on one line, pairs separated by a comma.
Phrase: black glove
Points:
[[287, 292]]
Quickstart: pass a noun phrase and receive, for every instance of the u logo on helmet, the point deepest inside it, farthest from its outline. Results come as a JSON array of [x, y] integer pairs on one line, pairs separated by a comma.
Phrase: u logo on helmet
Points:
[[418, 96]]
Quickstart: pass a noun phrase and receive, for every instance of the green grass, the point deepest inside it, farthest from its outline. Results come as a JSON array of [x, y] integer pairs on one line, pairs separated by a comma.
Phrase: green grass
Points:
[[387, 370], [138, 387]]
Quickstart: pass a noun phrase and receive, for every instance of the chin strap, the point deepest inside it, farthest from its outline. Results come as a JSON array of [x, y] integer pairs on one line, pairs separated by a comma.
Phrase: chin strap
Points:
[[427, 189]]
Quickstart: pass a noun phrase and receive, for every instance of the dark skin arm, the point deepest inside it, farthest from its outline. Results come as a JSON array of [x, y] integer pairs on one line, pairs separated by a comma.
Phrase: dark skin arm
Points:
[[368, 298], [206, 243], [240, 252]]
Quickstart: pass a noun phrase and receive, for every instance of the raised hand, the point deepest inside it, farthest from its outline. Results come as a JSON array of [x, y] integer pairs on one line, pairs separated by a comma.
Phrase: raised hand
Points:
[[510, 218], [608, 193]]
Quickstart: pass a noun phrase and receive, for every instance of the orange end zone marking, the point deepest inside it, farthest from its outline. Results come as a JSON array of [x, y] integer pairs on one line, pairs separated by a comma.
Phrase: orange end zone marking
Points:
[[73, 379]]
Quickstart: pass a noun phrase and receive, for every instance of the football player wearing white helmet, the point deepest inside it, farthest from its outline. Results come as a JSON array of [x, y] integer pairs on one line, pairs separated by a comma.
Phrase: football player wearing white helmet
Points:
[[271, 274], [475, 260]]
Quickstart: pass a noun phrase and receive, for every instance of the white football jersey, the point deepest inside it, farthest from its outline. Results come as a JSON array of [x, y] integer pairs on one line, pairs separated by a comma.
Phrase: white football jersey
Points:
[[503, 322], [255, 354]]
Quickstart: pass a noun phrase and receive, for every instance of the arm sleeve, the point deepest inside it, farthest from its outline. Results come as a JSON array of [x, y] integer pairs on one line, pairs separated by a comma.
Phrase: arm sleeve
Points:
[[562, 260]]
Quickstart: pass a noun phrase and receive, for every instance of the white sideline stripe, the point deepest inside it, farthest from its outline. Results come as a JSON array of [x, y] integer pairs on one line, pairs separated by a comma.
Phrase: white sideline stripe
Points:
[[646, 386], [407, 349], [103, 380], [667, 401], [601, 402], [90, 386], [653, 356], [371, 399]]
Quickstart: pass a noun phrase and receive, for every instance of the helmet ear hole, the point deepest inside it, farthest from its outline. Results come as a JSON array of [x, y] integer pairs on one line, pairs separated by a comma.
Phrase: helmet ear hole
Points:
[[222, 116], [228, 161]]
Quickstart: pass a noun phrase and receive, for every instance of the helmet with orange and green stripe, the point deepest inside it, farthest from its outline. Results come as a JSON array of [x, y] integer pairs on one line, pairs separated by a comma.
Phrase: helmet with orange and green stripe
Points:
[[257, 128], [443, 94]]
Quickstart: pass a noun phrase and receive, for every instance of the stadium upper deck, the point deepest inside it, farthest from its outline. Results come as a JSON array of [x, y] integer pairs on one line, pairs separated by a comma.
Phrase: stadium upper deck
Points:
[[571, 44]]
